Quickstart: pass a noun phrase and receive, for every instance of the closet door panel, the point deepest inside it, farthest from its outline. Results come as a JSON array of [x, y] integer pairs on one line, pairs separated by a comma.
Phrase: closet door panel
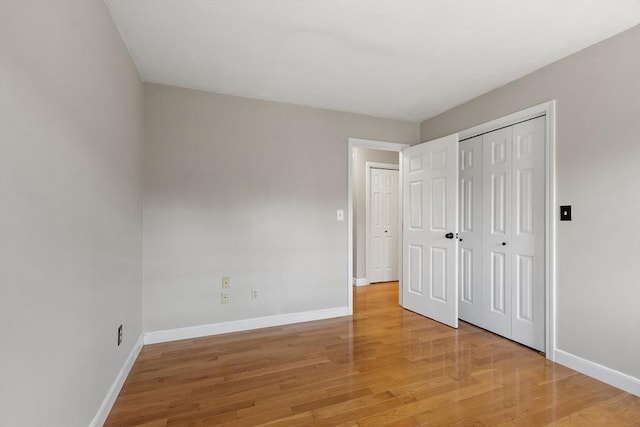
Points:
[[528, 233], [496, 234], [470, 243]]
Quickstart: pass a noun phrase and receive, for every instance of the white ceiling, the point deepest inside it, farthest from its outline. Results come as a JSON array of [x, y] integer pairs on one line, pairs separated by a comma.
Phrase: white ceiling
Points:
[[401, 59]]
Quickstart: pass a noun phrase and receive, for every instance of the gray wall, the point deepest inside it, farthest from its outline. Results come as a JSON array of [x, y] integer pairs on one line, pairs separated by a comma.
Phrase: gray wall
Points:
[[359, 182], [70, 210], [598, 171], [247, 189]]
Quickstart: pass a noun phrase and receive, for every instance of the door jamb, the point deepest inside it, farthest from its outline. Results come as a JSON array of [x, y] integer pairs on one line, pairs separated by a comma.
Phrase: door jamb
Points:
[[376, 145], [549, 110], [367, 223]]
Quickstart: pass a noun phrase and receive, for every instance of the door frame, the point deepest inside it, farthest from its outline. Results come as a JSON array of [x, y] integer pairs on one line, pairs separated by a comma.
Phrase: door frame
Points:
[[367, 223], [375, 145], [547, 109]]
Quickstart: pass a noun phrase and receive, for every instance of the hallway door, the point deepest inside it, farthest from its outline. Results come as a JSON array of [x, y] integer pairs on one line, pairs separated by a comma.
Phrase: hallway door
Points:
[[383, 214]]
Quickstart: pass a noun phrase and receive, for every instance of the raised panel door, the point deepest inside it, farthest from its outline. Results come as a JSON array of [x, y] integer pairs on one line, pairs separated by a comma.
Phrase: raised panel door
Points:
[[382, 265], [496, 231], [390, 225], [527, 237], [470, 231], [430, 209]]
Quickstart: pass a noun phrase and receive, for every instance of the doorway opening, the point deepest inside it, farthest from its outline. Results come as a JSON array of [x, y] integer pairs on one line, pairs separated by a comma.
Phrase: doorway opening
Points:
[[546, 238], [380, 155]]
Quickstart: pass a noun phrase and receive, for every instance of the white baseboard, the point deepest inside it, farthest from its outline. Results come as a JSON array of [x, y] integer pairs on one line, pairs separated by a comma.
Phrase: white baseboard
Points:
[[114, 390], [243, 325], [606, 375], [360, 282]]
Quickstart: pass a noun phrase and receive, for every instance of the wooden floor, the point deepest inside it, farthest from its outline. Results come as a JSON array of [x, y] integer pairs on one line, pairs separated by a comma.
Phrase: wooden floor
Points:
[[384, 366]]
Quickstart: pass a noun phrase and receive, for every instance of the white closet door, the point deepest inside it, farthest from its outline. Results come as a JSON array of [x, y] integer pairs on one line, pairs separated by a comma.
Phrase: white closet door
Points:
[[496, 238], [527, 237], [430, 218], [470, 229]]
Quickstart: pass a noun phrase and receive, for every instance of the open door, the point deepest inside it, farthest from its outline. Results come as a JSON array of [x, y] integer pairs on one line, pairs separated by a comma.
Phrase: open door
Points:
[[430, 222]]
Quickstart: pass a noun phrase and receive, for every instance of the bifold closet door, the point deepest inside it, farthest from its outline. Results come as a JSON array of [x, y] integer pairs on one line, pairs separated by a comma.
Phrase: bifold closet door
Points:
[[470, 231], [527, 246], [513, 233], [496, 231]]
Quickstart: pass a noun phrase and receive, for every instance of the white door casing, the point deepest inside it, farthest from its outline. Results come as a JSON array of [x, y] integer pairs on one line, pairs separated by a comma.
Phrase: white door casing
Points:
[[353, 143], [470, 231], [430, 212], [382, 220]]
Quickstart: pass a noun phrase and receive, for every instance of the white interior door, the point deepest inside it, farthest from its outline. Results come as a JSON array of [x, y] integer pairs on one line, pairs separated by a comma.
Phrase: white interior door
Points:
[[470, 242], [383, 260], [430, 220], [528, 231], [496, 237]]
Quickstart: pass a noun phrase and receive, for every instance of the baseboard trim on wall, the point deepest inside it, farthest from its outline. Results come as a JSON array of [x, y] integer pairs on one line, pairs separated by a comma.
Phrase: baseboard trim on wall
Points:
[[360, 282], [606, 375], [114, 390], [243, 325]]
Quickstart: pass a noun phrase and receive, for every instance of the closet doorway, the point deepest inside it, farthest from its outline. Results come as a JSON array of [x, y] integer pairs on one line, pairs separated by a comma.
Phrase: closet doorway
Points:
[[502, 231], [488, 247]]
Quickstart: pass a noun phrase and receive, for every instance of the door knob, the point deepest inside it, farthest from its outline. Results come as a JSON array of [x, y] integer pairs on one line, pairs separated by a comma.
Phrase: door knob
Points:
[[385, 231], [449, 235], [504, 243]]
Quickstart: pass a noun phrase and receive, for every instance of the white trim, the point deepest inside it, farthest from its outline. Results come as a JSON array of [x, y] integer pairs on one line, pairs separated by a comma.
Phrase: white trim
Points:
[[376, 145], [103, 412], [518, 116], [360, 282], [549, 110], [242, 325], [550, 229], [606, 375], [367, 222]]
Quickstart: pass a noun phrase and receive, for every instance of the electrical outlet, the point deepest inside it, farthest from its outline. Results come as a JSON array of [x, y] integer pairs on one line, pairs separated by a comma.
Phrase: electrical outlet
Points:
[[119, 334], [224, 298], [254, 294], [226, 282]]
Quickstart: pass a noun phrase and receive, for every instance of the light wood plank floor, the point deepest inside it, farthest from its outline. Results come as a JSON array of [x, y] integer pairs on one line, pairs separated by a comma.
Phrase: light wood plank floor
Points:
[[386, 366]]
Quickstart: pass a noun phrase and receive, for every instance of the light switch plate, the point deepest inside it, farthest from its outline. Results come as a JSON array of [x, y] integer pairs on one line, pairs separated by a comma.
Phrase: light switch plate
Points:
[[565, 213], [226, 282], [340, 215]]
